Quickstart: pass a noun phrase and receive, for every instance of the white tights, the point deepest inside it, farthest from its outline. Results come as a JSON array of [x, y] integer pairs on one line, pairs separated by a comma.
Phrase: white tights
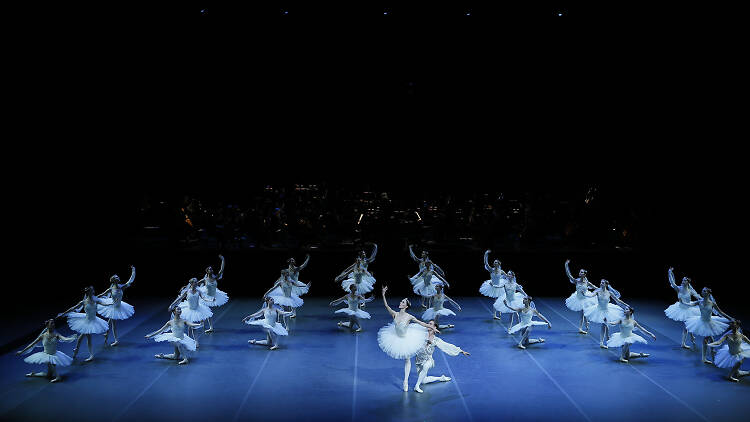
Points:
[[271, 339], [353, 320]]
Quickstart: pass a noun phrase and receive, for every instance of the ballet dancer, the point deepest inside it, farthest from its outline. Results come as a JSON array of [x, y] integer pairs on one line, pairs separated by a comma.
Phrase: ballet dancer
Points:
[[401, 339], [208, 289], [50, 356], [707, 324], [626, 337], [194, 310], [86, 323], [494, 286], [734, 352], [118, 310], [357, 275], [176, 335], [681, 310], [437, 309], [602, 310], [424, 260], [283, 294], [525, 322], [270, 314], [353, 300], [294, 274], [424, 283], [424, 358], [580, 299], [512, 296]]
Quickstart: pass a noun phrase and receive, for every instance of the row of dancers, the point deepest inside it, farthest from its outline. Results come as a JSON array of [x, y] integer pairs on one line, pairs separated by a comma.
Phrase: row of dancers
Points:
[[407, 336]]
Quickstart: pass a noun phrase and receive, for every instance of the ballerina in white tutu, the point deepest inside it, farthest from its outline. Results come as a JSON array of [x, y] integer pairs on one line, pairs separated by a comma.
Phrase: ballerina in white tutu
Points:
[[358, 276], [681, 310], [626, 337], [50, 356], [283, 294], [514, 295], [525, 322], [580, 299], [437, 309], [424, 360], [401, 339], [294, 271], [118, 310], [423, 263], [176, 335], [353, 301], [194, 310], [86, 323], [734, 352], [208, 289], [711, 322], [424, 283], [494, 286], [601, 311], [273, 329]]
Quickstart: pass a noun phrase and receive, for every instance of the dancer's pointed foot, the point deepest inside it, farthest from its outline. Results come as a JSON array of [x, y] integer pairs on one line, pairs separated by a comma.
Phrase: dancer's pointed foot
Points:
[[451, 325], [30, 374], [707, 362], [580, 331], [521, 346], [115, 343], [358, 330], [418, 390], [89, 359], [251, 341], [210, 330], [159, 356], [55, 379], [685, 346], [644, 355], [444, 378], [623, 360], [183, 362], [274, 347], [603, 346], [733, 379], [406, 386], [496, 317]]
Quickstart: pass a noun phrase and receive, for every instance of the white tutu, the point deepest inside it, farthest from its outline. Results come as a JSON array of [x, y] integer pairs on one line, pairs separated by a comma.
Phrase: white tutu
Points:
[[59, 358], [617, 340], [430, 313], [82, 325], [575, 303], [426, 291], [199, 314], [278, 329], [300, 290], [595, 314], [119, 312], [186, 341], [724, 359], [293, 301], [678, 311], [520, 326], [714, 327], [404, 347], [516, 303], [365, 286], [489, 290], [220, 299], [358, 313]]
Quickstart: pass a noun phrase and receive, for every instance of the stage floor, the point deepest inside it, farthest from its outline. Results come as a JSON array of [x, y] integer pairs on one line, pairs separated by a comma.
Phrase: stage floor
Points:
[[323, 372]]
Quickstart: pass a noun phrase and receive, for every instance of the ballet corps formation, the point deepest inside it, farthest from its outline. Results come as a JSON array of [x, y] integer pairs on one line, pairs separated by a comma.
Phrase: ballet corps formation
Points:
[[407, 336]]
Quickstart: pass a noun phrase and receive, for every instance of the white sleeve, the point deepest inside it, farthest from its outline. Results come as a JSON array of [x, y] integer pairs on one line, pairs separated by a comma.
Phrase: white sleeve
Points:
[[446, 347]]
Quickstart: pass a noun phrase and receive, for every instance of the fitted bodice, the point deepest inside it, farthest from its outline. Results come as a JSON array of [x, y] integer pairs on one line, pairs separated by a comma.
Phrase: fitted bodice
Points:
[[684, 295], [437, 301], [270, 315], [706, 307], [49, 342], [497, 277], [581, 287], [526, 316], [286, 288], [510, 290], [89, 307], [211, 287], [425, 353], [626, 327], [352, 302], [401, 327], [116, 294], [602, 297], [735, 344], [192, 299], [177, 327]]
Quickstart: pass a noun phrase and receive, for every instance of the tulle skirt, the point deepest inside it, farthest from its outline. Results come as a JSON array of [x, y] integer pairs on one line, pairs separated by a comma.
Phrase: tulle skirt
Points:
[[430, 313], [202, 313], [186, 341], [402, 347], [596, 314], [366, 286], [425, 290], [293, 301], [714, 327], [300, 290], [220, 299], [617, 340], [681, 312], [519, 326], [489, 290], [724, 359], [59, 358], [119, 312], [358, 313], [277, 329], [516, 303], [575, 303], [82, 325]]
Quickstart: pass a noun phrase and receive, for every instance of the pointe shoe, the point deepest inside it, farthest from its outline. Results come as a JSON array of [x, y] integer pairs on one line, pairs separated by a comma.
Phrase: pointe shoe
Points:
[[451, 325], [644, 355], [293, 316], [159, 356], [495, 317], [55, 379], [406, 386], [274, 347], [358, 330], [340, 324], [707, 362], [623, 360], [89, 359], [443, 378], [685, 346], [115, 343], [251, 341], [418, 390], [603, 346], [182, 362], [541, 340], [30, 374], [210, 330], [580, 331], [734, 379], [520, 346]]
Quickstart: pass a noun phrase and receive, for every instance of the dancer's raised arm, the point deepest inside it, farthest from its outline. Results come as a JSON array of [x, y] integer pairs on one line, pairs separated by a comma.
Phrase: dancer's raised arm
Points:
[[71, 309], [453, 302], [390, 311], [486, 262], [179, 299], [304, 264], [441, 278], [567, 272], [253, 315], [221, 269], [275, 285], [411, 253], [719, 311], [670, 276], [130, 280], [374, 252], [640, 327]]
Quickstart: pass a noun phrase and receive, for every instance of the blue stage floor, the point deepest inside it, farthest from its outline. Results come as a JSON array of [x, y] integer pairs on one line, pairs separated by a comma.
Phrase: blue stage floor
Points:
[[323, 372]]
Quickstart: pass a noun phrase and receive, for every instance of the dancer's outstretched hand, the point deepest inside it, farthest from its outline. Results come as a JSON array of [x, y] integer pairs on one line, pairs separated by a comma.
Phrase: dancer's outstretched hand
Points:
[[385, 289], [465, 353], [549, 326], [567, 261]]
